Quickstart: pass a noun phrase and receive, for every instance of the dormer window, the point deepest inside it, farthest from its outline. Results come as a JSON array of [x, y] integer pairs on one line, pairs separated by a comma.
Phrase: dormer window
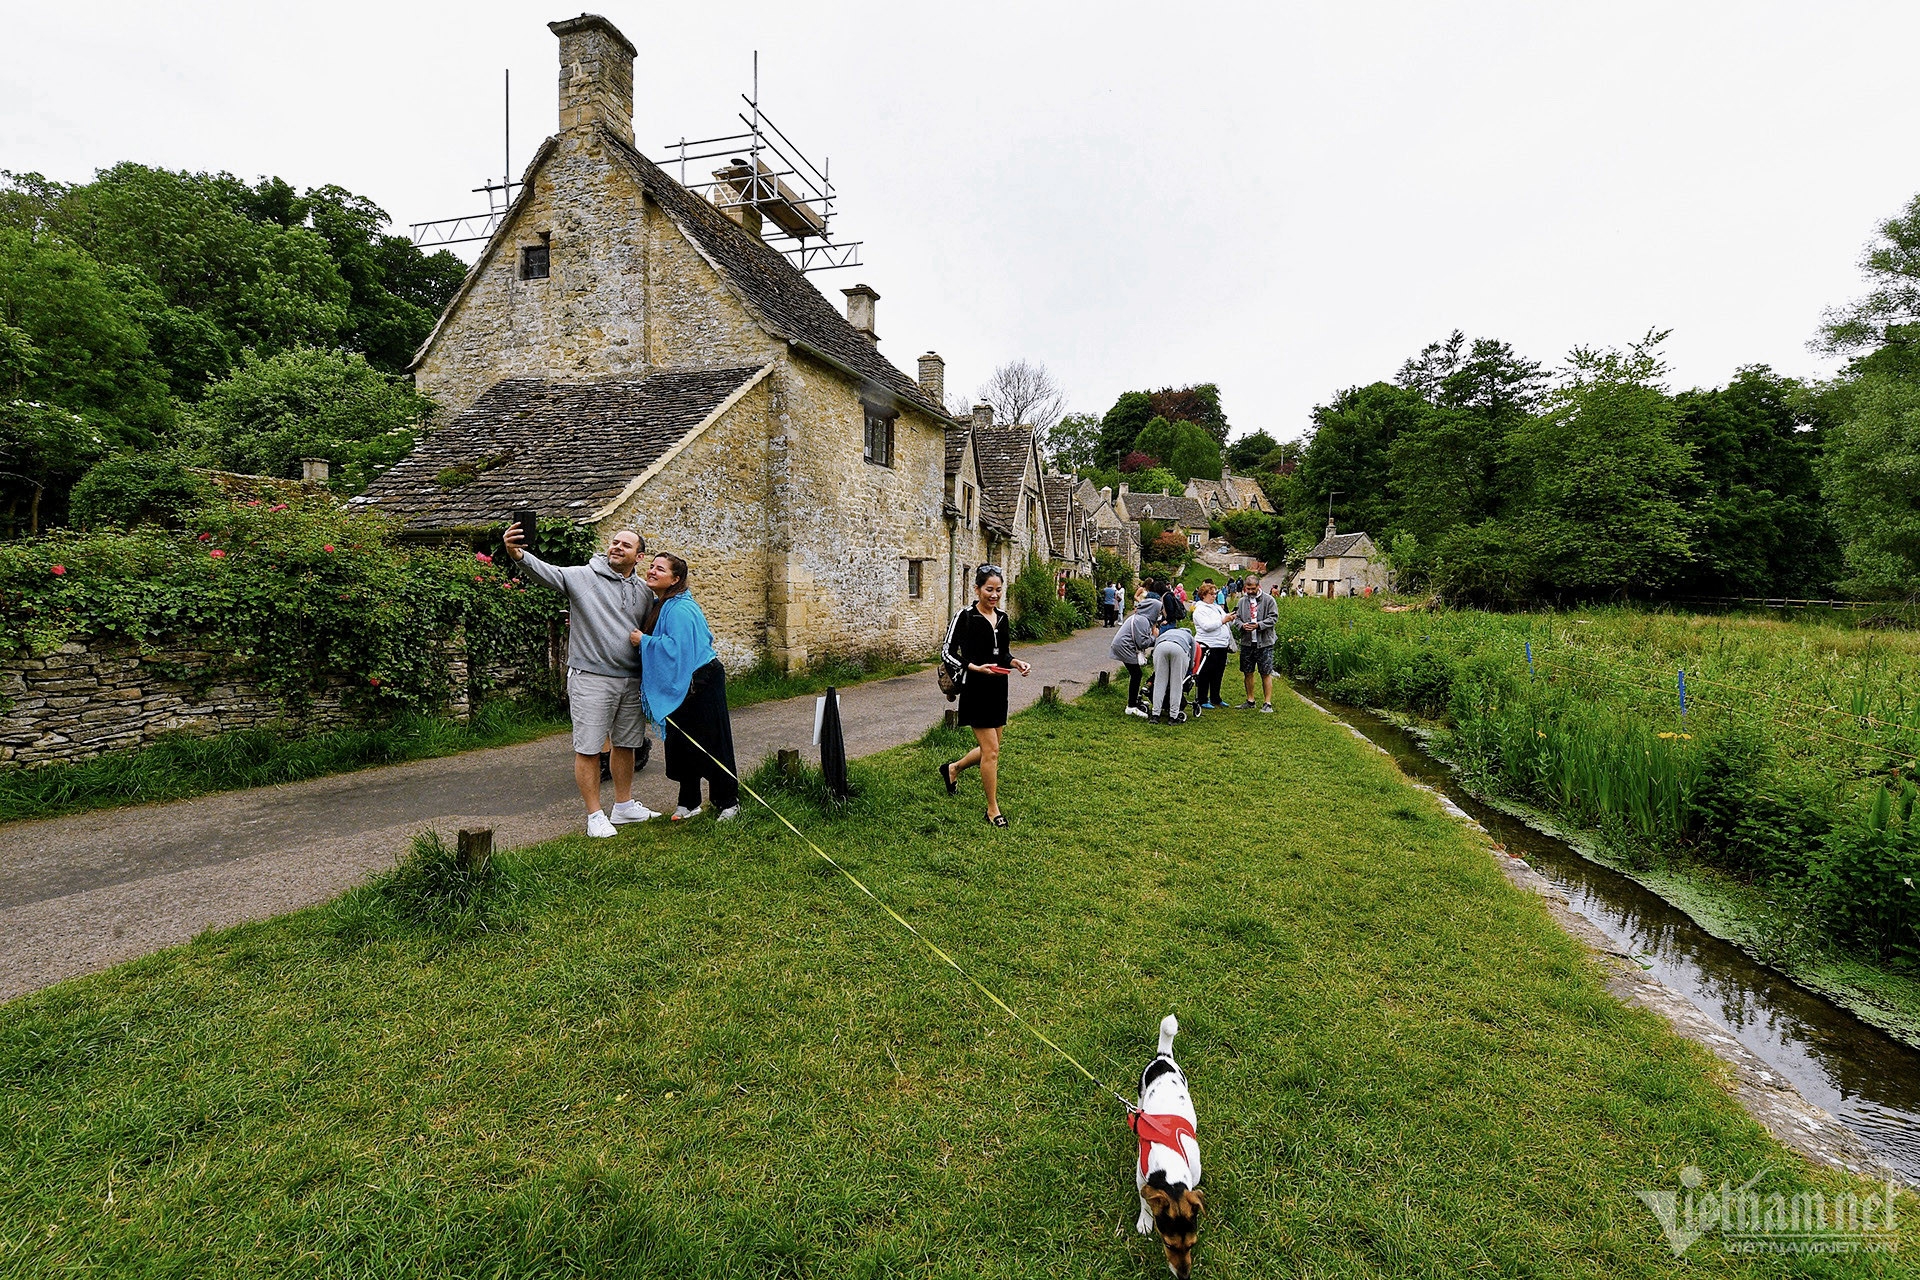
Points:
[[879, 437]]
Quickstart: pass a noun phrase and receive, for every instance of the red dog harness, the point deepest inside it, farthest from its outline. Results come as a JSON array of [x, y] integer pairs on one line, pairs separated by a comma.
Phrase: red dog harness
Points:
[[1165, 1130]]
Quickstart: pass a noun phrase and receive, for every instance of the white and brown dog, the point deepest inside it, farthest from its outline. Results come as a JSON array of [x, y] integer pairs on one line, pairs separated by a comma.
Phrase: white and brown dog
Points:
[[1169, 1171]]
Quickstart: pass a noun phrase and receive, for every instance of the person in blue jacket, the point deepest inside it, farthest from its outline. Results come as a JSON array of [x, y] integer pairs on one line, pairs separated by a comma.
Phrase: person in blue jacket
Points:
[[686, 691]]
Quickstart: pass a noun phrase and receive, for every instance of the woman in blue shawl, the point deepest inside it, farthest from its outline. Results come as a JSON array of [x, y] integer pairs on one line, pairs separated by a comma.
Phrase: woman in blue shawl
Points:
[[686, 692]]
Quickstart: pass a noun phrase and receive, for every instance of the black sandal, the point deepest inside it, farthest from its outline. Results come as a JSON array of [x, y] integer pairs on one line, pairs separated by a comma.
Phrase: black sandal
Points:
[[953, 788], [997, 819]]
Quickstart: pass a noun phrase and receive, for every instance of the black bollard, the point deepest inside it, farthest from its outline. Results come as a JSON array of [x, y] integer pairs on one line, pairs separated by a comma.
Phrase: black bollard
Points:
[[833, 748]]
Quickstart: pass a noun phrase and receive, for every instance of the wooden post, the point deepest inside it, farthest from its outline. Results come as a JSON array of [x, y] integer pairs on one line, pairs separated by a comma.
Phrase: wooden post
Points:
[[789, 763], [950, 719], [1106, 677], [1050, 694], [476, 849]]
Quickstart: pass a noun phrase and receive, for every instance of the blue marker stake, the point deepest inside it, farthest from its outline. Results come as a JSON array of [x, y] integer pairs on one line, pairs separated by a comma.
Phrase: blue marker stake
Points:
[[1529, 657], [1683, 693]]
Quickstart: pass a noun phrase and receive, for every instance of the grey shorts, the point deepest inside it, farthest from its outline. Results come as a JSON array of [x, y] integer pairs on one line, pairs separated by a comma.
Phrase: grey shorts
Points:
[[1256, 659], [603, 707]]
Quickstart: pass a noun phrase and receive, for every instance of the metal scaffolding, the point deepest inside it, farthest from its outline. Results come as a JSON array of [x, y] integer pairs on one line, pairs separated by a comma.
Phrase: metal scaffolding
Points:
[[767, 181]]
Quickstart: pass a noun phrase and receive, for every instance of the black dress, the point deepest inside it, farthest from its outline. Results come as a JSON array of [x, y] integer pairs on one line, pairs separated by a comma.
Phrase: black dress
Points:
[[983, 695]]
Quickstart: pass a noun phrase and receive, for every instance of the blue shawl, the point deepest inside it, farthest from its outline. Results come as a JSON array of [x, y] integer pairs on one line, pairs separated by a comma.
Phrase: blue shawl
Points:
[[680, 645]]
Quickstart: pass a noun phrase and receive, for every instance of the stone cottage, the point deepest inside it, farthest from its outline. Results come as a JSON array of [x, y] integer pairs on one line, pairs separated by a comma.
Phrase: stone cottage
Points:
[[1010, 476], [1177, 512], [624, 353], [1230, 493], [1341, 564]]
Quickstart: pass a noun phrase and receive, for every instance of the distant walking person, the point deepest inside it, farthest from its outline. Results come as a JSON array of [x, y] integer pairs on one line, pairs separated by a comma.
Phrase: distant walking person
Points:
[[980, 641], [605, 601], [1110, 604], [1211, 634], [687, 692], [1256, 618], [1133, 645]]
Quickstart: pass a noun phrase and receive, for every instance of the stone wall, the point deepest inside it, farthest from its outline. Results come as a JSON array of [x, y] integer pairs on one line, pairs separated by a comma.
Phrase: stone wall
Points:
[[86, 699]]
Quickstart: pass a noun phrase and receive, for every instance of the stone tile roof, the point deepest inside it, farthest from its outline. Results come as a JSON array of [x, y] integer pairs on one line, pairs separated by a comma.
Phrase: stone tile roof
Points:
[[769, 285], [956, 447], [1202, 490], [1249, 493], [1086, 495], [1002, 454], [563, 448], [1167, 508], [1061, 509], [1337, 544]]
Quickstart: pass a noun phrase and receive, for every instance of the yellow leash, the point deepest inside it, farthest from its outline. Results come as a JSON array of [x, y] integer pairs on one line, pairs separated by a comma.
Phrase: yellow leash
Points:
[[898, 919]]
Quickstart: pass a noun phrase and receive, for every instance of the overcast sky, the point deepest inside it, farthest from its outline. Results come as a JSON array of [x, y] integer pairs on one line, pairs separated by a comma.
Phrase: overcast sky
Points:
[[1284, 199]]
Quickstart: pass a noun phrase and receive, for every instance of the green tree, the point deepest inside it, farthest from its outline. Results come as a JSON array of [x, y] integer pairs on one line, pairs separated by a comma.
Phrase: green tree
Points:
[[395, 293], [1346, 463], [1073, 443], [1763, 527], [266, 286], [1871, 472], [1444, 466], [1892, 306], [1198, 404], [85, 348], [140, 488], [1247, 453], [1603, 471], [273, 411], [1122, 425]]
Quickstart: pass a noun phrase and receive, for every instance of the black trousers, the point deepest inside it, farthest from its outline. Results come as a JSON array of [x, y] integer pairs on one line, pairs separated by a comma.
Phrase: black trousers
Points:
[[1133, 683], [1212, 667]]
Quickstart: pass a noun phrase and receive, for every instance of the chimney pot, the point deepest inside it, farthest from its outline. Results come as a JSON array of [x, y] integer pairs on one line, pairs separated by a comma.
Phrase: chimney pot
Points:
[[596, 76], [982, 416], [314, 470], [860, 300], [933, 377], [1106, 494]]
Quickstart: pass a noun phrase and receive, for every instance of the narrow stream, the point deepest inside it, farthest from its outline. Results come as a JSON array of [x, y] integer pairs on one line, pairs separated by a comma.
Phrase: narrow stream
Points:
[[1868, 1080]]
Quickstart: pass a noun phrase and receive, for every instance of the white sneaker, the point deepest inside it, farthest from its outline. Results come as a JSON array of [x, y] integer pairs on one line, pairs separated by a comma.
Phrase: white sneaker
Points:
[[682, 813], [1135, 711], [1267, 710], [728, 813], [631, 811], [597, 824]]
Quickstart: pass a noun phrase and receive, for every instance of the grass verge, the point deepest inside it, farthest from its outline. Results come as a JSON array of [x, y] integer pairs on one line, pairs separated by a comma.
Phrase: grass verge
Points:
[[694, 1051], [766, 682], [181, 766]]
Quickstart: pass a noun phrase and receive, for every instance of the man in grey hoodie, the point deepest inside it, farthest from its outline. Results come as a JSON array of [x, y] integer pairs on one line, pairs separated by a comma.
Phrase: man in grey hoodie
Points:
[[606, 603], [1133, 645], [1255, 618]]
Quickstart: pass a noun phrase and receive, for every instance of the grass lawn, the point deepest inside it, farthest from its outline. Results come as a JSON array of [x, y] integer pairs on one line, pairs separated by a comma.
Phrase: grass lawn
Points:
[[698, 1052]]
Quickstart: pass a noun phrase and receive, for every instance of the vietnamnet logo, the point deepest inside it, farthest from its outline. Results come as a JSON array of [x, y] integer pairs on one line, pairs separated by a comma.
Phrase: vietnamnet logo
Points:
[[1748, 1219]]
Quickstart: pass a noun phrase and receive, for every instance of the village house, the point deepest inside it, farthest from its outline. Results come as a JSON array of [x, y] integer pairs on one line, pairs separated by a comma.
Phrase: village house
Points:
[[626, 354], [1067, 525], [1173, 511], [1230, 493], [1106, 529], [1010, 477], [1341, 564]]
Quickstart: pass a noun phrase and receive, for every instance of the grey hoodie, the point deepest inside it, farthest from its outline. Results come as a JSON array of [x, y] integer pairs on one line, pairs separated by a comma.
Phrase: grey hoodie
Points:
[[604, 609], [1256, 630], [1133, 642], [1182, 639]]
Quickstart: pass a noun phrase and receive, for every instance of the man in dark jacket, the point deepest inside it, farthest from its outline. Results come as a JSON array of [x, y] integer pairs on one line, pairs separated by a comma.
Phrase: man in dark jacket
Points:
[[1255, 618]]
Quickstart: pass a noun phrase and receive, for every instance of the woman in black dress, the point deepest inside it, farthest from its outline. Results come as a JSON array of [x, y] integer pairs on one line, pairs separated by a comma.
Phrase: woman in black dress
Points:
[[981, 640]]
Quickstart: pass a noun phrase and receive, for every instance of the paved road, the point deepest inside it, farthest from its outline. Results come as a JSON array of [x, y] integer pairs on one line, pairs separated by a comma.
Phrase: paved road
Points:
[[81, 893]]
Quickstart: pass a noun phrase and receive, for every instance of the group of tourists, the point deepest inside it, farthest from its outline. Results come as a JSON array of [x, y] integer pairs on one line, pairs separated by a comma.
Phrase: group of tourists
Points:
[[1169, 659], [639, 649]]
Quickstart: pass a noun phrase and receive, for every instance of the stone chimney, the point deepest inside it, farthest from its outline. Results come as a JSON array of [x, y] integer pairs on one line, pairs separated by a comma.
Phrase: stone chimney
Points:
[[596, 76], [860, 300], [982, 416], [933, 377], [1329, 526], [1106, 493], [1123, 488], [314, 470], [1226, 473]]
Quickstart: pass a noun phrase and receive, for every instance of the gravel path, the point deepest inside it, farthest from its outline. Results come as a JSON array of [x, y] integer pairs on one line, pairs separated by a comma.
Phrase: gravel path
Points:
[[80, 893]]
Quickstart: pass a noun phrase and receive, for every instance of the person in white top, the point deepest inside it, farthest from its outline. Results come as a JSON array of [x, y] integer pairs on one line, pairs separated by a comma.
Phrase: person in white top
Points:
[[1211, 634]]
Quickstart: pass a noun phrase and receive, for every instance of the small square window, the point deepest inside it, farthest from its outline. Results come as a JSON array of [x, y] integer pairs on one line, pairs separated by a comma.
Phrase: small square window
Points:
[[533, 262], [913, 579], [878, 447]]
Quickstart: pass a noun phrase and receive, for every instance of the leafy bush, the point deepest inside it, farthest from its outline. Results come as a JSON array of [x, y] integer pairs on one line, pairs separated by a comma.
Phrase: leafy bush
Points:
[[296, 596], [1084, 598], [1108, 567], [1038, 611], [140, 488], [1867, 876], [1256, 533]]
